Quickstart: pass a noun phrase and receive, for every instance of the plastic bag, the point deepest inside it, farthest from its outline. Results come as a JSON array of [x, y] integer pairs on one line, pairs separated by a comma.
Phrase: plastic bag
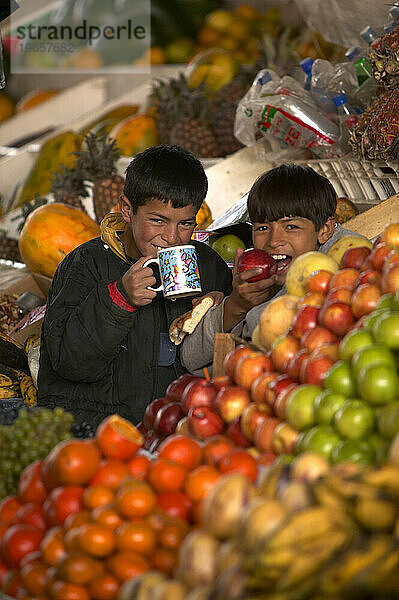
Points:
[[280, 110]]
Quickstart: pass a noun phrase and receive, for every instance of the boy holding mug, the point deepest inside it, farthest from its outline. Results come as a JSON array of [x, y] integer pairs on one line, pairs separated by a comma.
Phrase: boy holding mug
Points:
[[105, 346]]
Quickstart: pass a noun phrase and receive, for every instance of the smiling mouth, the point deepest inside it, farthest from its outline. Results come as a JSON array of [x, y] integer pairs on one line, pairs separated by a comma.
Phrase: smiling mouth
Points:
[[283, 261]]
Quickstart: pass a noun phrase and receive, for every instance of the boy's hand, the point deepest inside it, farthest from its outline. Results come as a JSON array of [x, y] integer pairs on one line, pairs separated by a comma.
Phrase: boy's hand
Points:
[[136, 282]]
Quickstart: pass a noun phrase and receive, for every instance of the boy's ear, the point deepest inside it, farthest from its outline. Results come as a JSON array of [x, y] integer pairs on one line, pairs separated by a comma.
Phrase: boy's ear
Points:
[[326, 231], [125, 208]]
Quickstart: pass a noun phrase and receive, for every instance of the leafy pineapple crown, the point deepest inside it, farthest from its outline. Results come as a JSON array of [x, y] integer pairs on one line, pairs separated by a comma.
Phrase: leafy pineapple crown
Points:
[[69, 180], [174, 97], [98, 161]]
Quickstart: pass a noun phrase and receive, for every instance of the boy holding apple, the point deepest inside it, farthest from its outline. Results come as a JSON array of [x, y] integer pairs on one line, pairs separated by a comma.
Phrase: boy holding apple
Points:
[[291, 208]]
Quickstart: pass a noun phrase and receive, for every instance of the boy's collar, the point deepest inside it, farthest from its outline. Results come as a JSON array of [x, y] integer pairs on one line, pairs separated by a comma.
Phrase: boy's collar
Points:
[[111, 225]]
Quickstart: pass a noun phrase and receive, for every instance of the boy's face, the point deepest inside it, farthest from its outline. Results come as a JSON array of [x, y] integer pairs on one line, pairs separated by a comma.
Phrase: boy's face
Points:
[[157, 224], [289, 237]]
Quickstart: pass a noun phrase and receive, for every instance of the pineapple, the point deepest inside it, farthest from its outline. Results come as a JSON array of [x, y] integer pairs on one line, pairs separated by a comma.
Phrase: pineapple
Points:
[[9, 248], [98, 164], [68, 186], [384, 59]]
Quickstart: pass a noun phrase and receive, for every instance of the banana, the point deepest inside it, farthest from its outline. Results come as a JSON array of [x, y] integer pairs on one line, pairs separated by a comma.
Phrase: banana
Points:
[[5, 381], [275, 561], [309, 523], [327, 497], [343, 569], [376, 515], [274, 480], [8, 392], [350, 489], [28, 390], [385, 478]]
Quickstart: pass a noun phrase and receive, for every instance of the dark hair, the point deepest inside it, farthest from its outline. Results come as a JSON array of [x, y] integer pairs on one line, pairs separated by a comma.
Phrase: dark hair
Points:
[[292, 191], [165, 173]]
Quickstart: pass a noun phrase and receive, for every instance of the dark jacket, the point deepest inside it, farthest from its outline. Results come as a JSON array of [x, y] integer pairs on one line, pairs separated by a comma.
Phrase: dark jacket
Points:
[[98, 357]]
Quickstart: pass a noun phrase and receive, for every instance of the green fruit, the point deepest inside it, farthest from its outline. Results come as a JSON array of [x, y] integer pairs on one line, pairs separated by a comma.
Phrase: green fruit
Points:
[[226, 246], [354, 341], [326, 405], [284, 459], [180, 50], [356, 451], [321, 439], [387, 301], [372, 317], [354, 420], [381, 447], [378, 384], [372, 355], [340, 379], [386, 330], [300, 406], [388, 420]]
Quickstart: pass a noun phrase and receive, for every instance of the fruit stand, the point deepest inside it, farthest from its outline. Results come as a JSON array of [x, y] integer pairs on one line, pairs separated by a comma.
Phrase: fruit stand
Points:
[[274, 473]]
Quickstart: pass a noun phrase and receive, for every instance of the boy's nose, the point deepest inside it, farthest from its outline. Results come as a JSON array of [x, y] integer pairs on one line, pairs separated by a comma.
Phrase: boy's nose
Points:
[[171, 236], [275, 238]]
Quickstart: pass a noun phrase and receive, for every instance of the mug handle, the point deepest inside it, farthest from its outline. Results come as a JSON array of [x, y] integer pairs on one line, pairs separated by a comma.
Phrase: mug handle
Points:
[[148, 262]]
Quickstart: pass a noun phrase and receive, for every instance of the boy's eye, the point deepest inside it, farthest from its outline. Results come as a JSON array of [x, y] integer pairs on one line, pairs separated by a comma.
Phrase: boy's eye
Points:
[[156, 220], [187, 223], [262, 228], [291, 226]]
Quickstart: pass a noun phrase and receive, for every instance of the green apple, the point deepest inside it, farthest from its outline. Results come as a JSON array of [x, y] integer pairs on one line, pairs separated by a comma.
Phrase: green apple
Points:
[[378, 384], [354, 420], [326, 405], [321, 439], [387, 301], [381, 447], [357, 451], [353, 341], [226, 245], [372, 317], [340, 379], [372, 355], [284, 459], [388, 420], [386, 330], [300, 406]]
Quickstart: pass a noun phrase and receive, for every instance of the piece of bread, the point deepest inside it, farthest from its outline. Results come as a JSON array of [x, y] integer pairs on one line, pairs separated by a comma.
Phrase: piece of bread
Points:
[[186, 324]]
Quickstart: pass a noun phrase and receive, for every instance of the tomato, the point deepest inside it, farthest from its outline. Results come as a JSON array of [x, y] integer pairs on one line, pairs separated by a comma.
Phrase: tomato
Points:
[[61, 502], [125, 565], [135, 499], [96, 540], [239, 461], [52, 546], [166, 475], [105, 587], [139, 466], [78, 568], [34, 578], [30, 514], [111, 473], [8, 508], [18, 541], [136, 536], [200, 481], [31, 488]]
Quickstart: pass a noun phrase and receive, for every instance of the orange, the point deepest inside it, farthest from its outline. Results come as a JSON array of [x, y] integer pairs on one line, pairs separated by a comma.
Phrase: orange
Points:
[[97, 495], [70, 591], [34, 578], [8, 508], [76, 519], [105, 587], [97, 540], [176, 504], [166, 475], [181, 449], [78, 568], [239, 461], [200, 482], [125, 565], [173, 533], [111, 473], [137, 536], [117, 437], [215, 447], [72, 539], [135, 499], [108, 516], [164, 560], [139, 466], [52, 545], [74, 462]]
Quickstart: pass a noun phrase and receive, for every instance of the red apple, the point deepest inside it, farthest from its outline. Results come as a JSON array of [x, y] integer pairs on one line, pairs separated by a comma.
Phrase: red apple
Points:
[[280, 403], [235, 433], [314, 369], [317, 337], [378, 255], [258, 390], [152, 440], [305, 319], [390, 235], [168, 417], [284, 439], [353, 258], [294, 366], [183, 427], [250, 419], [337, 317], [174, 391], [198, 393], [151, 412], [390, 279], [318, 281], [331, 350], [392, 258], [275, 387], [222, 381], [369, 276], [204, 422], [343, 294], [283, 349], [266, 458], [231, 401], [232, 358], [249, 367], [264, 433], [344, 278], [364, 299], [254, 258], [311, 299], [141, 427]]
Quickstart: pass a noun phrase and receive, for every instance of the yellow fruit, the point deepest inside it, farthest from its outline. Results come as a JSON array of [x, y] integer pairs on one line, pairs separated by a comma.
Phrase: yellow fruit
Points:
[[204, 216], [219, 20], [345, 210], [157, 55], [338, 249], [7, 106], [276, 318], [303, 266], [226, 246], [180, 50], [208, 36], [215, 67], [34, 98], [247, 11], [135, 134]]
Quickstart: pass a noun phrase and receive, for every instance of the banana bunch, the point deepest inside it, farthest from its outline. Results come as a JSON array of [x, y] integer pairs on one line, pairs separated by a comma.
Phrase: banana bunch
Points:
[[16, 384]]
